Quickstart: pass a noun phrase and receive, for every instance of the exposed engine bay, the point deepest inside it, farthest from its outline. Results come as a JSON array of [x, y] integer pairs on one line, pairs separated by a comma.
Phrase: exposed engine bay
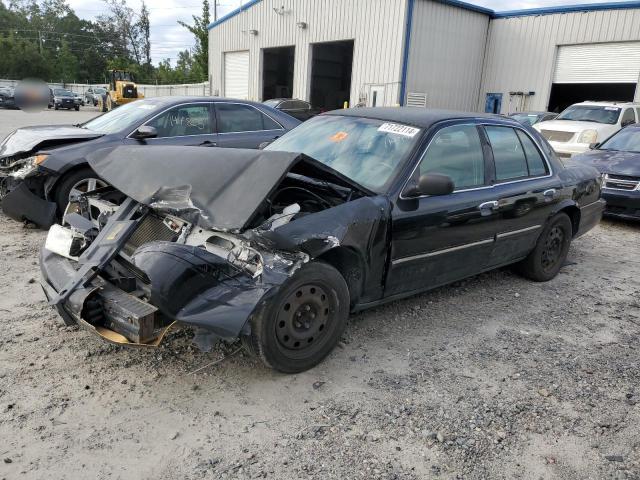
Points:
[[169, 258]]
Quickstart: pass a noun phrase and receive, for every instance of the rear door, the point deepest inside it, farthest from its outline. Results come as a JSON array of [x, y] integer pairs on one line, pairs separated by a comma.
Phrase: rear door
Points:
[[525, 191], [189, 124], [440, 239], [242, 125]]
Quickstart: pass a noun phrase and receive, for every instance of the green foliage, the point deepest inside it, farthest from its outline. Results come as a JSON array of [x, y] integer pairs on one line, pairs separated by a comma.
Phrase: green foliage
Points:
[[46, 39]]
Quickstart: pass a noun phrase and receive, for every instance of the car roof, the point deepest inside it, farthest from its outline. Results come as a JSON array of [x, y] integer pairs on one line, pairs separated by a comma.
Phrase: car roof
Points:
[[174, 100], [416, 116]]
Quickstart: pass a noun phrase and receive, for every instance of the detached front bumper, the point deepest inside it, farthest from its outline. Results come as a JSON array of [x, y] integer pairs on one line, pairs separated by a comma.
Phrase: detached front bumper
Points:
[[622, 204], [21, 203]]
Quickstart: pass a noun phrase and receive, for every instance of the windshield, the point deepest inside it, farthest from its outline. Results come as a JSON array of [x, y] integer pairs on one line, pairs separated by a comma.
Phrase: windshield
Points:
[[626, 140], [526, 118], [99, 90], [591, 113], [61, 92], [370, 152], [123, 117]]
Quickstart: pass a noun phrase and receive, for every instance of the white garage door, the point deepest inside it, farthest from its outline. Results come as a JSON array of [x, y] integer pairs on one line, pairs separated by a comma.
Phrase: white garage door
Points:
[[236, 74], [598, 63]]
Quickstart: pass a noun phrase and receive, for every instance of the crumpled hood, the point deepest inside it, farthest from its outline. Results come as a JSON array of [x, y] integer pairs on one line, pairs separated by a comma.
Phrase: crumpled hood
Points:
[[226, 185], [610, 161], [27, 139]]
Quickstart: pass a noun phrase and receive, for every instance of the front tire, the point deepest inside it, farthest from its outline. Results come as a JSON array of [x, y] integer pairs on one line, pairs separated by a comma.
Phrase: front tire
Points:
[[550, 252], [77, 108], [83, 180], [302, 323]]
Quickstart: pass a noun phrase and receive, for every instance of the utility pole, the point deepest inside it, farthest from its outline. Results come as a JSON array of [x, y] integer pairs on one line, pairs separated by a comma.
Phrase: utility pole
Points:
[[215, 10]]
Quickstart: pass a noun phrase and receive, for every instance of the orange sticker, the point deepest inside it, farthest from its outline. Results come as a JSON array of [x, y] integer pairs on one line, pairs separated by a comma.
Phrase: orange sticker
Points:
[[338, 137]]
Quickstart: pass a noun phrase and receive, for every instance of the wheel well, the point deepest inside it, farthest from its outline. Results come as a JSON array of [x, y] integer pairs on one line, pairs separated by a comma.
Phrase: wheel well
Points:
[[56, 184], [350, 266], [574, 215]]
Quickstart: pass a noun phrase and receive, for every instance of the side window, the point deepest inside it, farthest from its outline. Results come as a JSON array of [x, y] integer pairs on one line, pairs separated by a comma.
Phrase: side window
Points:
[[235, 117], [183, 120], [628, 115], [300, 105], [535, 162], [508, 153], [457, 152], [287, 105]]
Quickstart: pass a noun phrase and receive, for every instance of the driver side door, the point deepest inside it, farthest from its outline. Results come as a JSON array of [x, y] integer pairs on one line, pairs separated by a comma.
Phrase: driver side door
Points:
[[440, 239]]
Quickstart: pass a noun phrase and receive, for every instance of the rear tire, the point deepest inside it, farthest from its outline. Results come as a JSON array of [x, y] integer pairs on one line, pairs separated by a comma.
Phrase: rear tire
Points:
[[301, 324], [71, 181], [77, 108], [546, 259]]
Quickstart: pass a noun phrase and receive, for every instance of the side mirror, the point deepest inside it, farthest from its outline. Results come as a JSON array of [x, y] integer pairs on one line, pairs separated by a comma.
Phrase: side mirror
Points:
[[430, 184], [263, 145], [626, 123], [145, 132], [593, 146]]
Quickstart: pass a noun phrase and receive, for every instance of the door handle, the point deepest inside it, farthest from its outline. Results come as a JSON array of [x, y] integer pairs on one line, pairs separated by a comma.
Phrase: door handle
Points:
[[493, 205], [208, 143], [549, 194]]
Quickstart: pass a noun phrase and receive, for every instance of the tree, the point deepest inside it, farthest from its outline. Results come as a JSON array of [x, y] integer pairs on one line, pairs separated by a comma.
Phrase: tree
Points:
[[201, 50]]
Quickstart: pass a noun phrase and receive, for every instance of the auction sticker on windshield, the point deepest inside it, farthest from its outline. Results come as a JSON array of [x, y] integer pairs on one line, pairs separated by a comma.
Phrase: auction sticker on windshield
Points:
[[397, 129]]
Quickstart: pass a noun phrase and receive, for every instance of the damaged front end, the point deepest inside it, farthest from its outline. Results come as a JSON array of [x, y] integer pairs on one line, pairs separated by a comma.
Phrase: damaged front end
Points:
[[22, 190], [128, 268]]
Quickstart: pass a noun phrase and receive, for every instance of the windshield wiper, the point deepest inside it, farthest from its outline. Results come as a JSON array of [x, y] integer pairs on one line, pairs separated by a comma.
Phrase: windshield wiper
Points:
[[79, 125]]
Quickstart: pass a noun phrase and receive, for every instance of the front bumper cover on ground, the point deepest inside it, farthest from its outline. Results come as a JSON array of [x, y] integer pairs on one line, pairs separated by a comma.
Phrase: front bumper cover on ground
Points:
[[21, 204]]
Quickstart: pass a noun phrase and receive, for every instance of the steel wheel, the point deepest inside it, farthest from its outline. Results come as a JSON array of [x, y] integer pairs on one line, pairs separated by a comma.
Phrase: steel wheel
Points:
[[303, 319], [552, 250]]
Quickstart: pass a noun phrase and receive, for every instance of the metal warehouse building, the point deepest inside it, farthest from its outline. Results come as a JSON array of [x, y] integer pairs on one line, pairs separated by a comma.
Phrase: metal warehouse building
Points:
[[434, 53]]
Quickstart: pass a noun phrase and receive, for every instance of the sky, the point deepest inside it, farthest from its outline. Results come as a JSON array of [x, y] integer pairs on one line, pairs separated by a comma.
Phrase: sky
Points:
[[168, 38]]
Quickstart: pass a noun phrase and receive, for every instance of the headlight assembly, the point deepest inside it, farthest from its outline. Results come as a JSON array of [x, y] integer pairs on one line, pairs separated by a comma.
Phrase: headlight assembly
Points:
[[29, 165], [588, 136]]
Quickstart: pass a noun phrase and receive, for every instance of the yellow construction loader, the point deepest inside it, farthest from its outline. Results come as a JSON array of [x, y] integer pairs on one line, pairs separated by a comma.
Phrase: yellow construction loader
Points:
[[122, 89]]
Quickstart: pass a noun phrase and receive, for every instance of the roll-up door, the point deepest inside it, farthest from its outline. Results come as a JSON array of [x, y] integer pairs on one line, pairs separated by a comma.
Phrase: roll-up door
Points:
[[598, 63], [236, 74]]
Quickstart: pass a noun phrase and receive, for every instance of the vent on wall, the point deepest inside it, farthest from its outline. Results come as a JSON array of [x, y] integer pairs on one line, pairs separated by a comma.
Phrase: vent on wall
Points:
[[415, 99]]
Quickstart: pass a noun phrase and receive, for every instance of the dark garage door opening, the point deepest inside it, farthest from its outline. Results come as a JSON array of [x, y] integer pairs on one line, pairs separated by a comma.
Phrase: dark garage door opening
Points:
[[565, 94], [331, 74], [277, 72]]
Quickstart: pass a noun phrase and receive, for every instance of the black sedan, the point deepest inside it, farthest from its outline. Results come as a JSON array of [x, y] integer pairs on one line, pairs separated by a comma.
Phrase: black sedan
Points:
[[350, 210], [296, 108], [618, 158], [40, 166], [63, 98]]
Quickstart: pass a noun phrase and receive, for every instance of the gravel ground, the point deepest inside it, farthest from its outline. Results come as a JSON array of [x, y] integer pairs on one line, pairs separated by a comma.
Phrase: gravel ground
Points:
[[493, 377]]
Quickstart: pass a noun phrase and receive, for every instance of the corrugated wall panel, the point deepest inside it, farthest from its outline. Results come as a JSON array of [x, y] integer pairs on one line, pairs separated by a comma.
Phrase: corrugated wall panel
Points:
[[446, 54], [377, 26], [521, 51]]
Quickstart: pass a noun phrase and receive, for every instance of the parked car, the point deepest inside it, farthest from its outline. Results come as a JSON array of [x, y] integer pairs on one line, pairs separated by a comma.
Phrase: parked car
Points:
[[93, 94], [79, 98], [7, 97], [349, 210], [296, 108], [63, 98], [40, 166], [586, 123], [618, 158], [531, 118]]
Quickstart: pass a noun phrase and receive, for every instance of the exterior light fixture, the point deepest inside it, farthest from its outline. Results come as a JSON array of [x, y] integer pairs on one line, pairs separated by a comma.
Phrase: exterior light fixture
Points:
[[253, 32], [301, 25]]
